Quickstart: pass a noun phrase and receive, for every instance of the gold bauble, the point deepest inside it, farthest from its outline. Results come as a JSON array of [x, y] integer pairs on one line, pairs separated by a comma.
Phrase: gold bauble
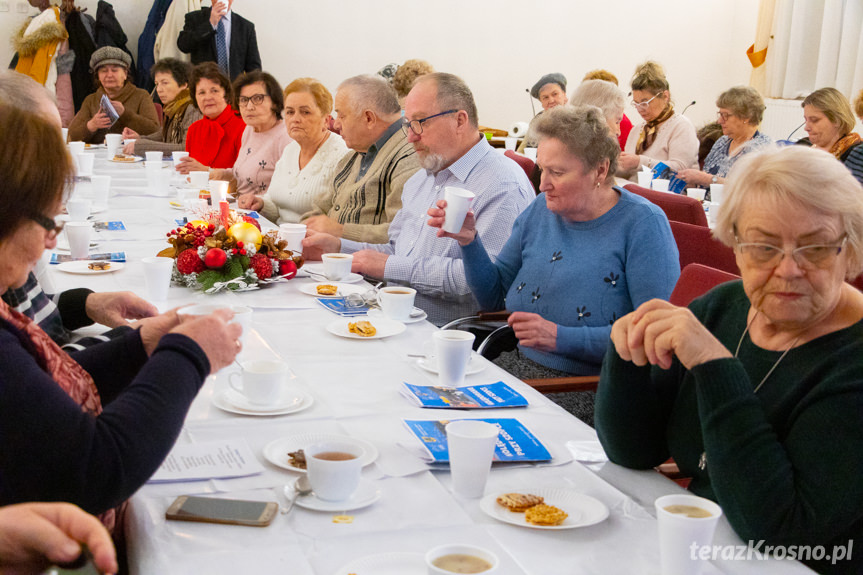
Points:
[[199, 224], [246, 233]]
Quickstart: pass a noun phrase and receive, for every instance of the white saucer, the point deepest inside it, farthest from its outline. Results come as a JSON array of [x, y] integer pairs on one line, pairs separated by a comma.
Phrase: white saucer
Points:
[[130, 160], [318, 269], [583, 510], [343, 290], [366, 494], [292, 401], [396, 563], [475, 365], [81, 267], [375, 313], [385, 328], [63, 243], [276, 452]]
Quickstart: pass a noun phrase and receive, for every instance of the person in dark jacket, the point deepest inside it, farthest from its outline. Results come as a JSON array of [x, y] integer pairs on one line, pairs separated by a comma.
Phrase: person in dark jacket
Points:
[[208, 28]]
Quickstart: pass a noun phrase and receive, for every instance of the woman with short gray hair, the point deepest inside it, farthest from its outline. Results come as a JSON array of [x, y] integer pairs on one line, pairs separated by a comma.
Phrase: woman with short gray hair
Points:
[[740, 111], [605, 96]]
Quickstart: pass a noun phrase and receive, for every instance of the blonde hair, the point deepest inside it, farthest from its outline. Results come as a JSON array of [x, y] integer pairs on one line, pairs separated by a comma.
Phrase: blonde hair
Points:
[[600, 74], [649, 77], [833, 104], [407, 74]]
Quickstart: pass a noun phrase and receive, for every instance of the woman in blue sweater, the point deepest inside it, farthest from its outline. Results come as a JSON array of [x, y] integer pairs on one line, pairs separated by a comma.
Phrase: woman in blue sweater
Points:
[[583, 254]]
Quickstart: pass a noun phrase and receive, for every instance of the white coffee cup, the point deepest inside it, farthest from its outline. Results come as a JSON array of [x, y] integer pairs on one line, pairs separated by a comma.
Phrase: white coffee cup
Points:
[[218, 191], [397, 302], [76, 148], [293, 234], [177, 157], [437, 553], [101, 190], [199, 180], [263, 380], [681, 536], [154, 157], [336, 475], [157, 277], [112, 144], [458, 203], [84, 162], [79, 209], [530, 153], [644, 179], [471, 449], [337, 266], [660, 184], [717, 193], [697, 193], [452, 350], [78, 234]]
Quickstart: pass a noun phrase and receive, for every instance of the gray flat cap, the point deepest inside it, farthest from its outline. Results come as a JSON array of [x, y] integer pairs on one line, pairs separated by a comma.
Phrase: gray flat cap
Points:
[[109, 55], [553, 78]]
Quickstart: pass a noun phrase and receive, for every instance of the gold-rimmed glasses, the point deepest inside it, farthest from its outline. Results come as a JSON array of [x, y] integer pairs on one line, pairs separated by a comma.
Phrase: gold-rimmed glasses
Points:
[[809, 257]]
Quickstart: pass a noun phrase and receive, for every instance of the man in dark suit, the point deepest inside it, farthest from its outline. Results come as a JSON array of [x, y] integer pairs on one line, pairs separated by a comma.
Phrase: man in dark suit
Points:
[[219, 35]]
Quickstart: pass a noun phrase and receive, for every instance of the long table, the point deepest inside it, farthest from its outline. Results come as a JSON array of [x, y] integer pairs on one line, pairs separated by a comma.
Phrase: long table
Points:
[[356, 390]]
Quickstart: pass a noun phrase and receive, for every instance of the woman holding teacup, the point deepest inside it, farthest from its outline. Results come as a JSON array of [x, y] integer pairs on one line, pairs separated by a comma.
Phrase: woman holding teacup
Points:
[[756, 389], [92, 426], [308, 164]]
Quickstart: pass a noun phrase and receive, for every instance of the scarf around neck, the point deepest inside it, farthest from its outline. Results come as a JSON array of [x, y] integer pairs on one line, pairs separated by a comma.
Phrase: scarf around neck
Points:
[[174, 111], [648, 132], [844, 144]]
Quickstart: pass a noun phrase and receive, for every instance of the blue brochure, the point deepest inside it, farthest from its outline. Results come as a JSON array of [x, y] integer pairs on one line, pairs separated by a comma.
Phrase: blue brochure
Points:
[[113, 256], [515, 442], [470, 397], [675, 184], [337, 306], [109, 226]]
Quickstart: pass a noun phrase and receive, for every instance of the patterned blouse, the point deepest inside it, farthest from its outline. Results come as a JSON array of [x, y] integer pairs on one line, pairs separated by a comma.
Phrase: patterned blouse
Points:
[[256, 162], [718, 162]]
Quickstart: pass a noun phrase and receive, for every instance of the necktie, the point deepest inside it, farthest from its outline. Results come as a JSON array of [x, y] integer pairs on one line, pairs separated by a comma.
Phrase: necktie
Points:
[[222, 48]]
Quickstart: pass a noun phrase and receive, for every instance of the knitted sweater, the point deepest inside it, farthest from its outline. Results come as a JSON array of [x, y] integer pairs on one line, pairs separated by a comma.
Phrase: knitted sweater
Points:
[[292, 190], [139, 114], [368, 205], [216, 143], [676, 145], [256, 162], [785, 463], [580, 275]]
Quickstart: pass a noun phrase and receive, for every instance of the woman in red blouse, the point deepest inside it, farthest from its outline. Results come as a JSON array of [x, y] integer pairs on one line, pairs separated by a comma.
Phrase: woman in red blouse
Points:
[[214, 140]]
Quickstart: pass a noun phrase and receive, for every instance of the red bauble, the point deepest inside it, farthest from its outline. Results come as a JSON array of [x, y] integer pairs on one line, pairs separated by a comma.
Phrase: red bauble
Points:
[[215, 258], [252, 221], [188, 262], [262, 265], [287, 268]]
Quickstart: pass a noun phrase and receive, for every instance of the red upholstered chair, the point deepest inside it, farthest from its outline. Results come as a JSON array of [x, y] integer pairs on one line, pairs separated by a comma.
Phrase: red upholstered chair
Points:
[[858, 282], [676, 207], [696, 244], [160, 113], [696, 280], [526, 163]]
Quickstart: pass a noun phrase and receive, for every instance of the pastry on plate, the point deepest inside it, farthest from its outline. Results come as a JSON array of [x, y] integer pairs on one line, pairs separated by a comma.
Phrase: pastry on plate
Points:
[[362, 328], [519, 502], [99, 266], [327, 289], [545, 515]]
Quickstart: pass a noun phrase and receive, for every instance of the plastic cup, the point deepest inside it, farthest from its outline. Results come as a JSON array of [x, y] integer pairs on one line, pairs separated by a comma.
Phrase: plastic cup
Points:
[[218, 191], [158, 180], [510, 143], [717, 193], [199, 180], [188, 198], [79, 209], [471, 450], [112, 144], [697, 193], [177, 156], [337, 266], [293, 234], [101, 189], [644, 179], [334, 469], [712, 212], [65, 132], [660, 184], [157, 277], [76, 148], [452, 349], [530, 153], [682, 536], [397, 302], [262, 381], [78, 234], [154, 157], [85, 162], [458, 203]]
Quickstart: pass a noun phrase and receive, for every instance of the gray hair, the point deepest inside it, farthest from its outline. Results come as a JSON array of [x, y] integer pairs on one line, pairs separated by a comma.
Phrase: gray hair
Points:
[[604, 95], [795, 174], [23, 92], [367, 92], [452, 94], [584, 132], [744, 102]]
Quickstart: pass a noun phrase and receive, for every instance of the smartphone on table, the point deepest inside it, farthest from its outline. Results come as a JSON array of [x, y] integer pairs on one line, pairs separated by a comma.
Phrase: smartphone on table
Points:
[[226, 511]]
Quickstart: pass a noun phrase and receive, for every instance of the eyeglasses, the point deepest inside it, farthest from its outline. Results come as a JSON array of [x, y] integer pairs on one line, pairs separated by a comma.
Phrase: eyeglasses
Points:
[[643, 105], [417, 125], [257, 100], [723, 116], [806, 257], [52, 227]]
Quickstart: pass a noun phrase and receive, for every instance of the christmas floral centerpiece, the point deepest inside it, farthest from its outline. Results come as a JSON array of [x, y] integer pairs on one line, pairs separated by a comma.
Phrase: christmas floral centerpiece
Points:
[[225, 250]]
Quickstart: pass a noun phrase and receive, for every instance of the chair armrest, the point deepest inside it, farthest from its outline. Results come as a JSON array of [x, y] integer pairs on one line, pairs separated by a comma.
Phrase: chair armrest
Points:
[[563, 384], [501, 315]]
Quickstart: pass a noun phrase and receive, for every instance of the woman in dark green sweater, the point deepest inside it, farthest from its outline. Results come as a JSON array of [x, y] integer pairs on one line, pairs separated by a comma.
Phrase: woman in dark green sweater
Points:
[[756, 390]]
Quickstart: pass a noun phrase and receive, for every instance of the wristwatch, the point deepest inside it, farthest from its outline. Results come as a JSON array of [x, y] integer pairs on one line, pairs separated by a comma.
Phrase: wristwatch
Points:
[[714, 180]]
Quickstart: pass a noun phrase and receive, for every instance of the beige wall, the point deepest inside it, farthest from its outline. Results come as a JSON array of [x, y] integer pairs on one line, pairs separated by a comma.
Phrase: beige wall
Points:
[[500, 47]]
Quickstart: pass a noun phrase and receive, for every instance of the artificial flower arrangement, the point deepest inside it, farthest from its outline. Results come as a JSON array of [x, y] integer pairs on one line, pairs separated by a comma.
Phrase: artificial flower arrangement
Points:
[[226, 250]]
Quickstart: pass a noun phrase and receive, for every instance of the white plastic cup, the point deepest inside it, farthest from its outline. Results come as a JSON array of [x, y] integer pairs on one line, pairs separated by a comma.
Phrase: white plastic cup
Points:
[[79, 209], [76, 148], [697, 193], [188, 198], [112, 144], [157, 277], [453, 349], [65, 132], [101, 190], [85, 162], [154, 157], [337, 266], [644, 179], [510, 143], [199, 180], [458, 203], [681, 537], [397, 302], [717, 193], [158, 180], [444, 550], [712, 212], [660, 184], [334, 479], [218, 191], [78, 234], [262, 380], [177, 157], [471, 450], [293, 234], [530, 153], [242, 314]]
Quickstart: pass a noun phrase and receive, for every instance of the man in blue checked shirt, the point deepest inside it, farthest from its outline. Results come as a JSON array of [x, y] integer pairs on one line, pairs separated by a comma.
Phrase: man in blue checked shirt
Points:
[[441, 123]]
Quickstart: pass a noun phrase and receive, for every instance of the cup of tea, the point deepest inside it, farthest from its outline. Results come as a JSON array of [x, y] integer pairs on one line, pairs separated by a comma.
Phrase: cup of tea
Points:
[[337, 266], [334, 469], [262, 381], [397, 302], [686, 523], [449, 559]]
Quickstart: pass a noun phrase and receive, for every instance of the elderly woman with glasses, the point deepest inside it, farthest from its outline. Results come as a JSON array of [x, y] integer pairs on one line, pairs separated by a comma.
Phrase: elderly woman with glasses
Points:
[[740, 111], [756, 389], [664, 135], [92, 426]]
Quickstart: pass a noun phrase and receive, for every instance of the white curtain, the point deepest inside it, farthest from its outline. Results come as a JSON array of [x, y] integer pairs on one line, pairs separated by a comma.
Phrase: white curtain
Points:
[[814, 44]]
